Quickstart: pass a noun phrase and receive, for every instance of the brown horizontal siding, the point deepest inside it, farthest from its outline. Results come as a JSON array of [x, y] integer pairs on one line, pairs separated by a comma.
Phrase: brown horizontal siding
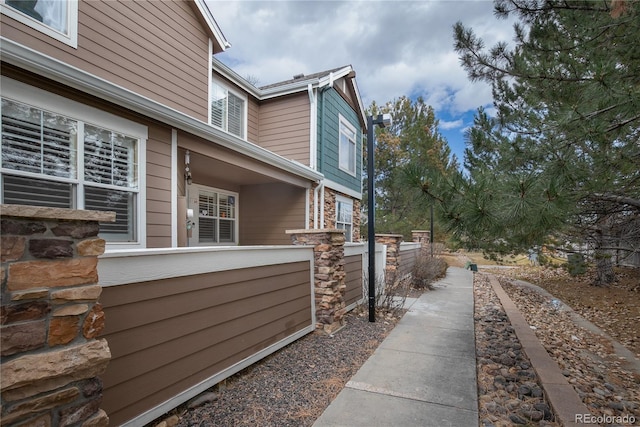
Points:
[[268, 210], [157, 49], [353, 279], [253, 119], [285, 126], [169, 335], [407, 261], [158, 187]]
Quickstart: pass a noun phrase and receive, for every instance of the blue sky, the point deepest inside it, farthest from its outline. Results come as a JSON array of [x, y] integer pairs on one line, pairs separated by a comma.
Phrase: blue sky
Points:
[[396, 47]]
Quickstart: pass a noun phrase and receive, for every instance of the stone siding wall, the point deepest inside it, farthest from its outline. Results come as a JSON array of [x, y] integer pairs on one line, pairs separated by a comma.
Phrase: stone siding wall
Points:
[[392, 241], [329, 275], [424, 238], [50, 357], [330, 212]]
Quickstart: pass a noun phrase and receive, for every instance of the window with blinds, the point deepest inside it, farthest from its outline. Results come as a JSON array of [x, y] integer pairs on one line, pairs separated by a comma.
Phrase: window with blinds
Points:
[[216, 217], [41, 157], [227, 110]]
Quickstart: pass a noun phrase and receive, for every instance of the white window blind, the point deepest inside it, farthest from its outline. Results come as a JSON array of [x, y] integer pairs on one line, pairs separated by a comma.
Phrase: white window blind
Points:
[[39, 164], [227, 110], [37, 141], [216, 217]]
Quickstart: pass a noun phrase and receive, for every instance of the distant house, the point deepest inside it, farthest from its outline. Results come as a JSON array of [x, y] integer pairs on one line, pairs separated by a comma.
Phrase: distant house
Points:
[[317, 120]]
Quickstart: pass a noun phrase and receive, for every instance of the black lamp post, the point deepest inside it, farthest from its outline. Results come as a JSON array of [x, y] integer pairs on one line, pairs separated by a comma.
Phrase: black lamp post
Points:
[[382, 120]]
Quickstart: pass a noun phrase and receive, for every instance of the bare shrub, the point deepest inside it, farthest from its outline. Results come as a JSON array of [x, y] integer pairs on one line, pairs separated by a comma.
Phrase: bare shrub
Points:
[[390, 299], [428, 269]]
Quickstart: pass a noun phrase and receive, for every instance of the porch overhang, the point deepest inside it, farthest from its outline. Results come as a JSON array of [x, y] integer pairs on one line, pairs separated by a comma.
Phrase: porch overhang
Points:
[[36, 62]]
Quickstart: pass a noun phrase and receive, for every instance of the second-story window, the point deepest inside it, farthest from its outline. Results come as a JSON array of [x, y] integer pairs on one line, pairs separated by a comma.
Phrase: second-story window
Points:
[[56, 18], [347, 147], [227, 110]]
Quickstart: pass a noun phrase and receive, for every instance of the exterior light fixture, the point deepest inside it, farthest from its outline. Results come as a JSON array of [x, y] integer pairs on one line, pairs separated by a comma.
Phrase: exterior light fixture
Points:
[[382, 120], [187, 170]]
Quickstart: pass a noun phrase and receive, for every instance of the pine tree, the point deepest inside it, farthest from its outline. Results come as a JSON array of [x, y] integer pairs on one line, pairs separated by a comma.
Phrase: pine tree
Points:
[[561, 158], [413, 138]]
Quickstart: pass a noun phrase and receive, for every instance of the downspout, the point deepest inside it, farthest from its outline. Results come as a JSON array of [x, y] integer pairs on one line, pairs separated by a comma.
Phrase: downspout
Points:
[[313, 127], [321, 145], [316, 203]]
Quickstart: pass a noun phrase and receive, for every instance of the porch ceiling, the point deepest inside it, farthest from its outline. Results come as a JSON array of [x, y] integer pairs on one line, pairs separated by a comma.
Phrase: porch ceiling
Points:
[[205, 168]]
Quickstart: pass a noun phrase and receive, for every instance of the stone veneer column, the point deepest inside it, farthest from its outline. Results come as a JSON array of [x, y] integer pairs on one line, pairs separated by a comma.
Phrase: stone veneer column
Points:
[[392, 241], [424, 238], [50, 357], [329, 274]]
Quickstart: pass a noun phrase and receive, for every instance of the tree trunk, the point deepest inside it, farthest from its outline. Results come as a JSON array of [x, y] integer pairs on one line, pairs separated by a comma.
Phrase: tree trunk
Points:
[[604, 269]]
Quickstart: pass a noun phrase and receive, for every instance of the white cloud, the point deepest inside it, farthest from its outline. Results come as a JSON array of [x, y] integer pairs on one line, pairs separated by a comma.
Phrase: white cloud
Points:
[[396, 47], [451, 125]]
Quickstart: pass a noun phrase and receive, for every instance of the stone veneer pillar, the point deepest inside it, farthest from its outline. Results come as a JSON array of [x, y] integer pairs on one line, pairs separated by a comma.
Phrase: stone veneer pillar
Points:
[[329, 274], [50, 357], [392, 241], [424, 238]]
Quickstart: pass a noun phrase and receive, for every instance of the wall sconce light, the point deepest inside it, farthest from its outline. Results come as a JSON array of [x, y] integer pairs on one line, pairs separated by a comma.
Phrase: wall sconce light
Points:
[[187, 170]]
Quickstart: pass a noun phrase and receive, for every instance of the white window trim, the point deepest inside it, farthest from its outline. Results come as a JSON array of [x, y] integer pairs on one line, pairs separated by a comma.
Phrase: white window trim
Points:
[[343, 121], [39, 98], [194, 193], [240, 95], [347, 201], [70, 39]]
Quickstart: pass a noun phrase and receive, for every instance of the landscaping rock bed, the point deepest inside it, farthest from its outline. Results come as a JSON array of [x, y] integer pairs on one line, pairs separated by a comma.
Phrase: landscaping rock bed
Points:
[[610, 390], [509, 392]]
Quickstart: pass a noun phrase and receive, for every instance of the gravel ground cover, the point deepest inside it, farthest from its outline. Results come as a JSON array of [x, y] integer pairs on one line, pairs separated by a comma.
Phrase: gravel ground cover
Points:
[[293, 386], [609, 390], [509, 392]]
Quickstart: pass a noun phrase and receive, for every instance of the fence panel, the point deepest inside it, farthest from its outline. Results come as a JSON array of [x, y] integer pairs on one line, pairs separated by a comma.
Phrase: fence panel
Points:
[[409, 253], [180, 321], [353, 266]]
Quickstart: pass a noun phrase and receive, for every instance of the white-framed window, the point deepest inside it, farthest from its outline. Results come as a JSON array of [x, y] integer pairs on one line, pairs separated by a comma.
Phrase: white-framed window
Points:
[[216, 219], [59, 153], [55, 18], [344, 216], [347, 147], [228, 110]]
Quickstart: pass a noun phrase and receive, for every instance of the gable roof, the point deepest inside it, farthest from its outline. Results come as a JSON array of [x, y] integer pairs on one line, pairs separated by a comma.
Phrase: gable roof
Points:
[[301, 77], [220, 42], [300, 83]]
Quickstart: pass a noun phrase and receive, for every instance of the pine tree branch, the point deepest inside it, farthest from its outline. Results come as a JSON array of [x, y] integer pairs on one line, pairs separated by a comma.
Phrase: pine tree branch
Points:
[[616, 199]]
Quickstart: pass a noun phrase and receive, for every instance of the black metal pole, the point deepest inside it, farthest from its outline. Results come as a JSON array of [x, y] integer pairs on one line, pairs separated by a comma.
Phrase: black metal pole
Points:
[[371, 218]]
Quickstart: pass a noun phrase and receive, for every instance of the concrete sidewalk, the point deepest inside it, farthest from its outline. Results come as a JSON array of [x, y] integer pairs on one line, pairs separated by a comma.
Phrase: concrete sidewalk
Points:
[[424, 373]]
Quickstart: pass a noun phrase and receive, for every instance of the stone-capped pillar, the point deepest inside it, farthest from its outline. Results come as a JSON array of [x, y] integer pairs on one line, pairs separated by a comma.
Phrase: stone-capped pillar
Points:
[[50, 357], [424, 238], [329, 274], [392, 242]]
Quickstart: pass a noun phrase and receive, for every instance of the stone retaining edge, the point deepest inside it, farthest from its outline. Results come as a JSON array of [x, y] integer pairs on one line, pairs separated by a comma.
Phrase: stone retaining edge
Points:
[[561, 395]]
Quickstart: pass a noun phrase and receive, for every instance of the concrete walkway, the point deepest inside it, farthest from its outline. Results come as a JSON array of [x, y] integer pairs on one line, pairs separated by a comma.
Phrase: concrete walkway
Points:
[[424, 373]]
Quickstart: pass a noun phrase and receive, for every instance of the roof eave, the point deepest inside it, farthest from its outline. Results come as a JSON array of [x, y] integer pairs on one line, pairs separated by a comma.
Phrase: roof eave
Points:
[[46, 66], [212, 26]]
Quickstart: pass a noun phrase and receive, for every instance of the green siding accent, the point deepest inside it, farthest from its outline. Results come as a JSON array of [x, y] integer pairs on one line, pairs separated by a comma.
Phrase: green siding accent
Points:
[[330, 106]]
